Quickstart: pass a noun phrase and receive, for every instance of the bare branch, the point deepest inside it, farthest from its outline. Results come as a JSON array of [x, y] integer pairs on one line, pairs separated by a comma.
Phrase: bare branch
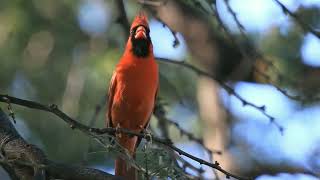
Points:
[[235, 18], [228, 88], [91, 123], [303, 25], [26, 161], [97, 111], [151, 3], [164, 123], [176, 41], [257, 54], [161, 116], [96, 131]]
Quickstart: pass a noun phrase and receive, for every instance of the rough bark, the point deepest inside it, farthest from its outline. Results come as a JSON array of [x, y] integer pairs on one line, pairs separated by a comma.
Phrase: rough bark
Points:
[[25, 161]]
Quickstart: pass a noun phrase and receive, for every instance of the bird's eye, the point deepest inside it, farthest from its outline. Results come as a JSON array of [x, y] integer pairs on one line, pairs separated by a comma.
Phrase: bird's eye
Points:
[[132, 31]]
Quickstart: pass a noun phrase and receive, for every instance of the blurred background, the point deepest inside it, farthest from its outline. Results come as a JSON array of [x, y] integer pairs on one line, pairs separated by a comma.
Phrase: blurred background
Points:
[[64, 52]]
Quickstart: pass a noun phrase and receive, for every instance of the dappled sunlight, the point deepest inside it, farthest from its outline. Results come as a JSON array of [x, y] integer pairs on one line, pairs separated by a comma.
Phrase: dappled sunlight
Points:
[[94, 17], [301, 126], [38, 50], [275, 103], [163, 47], [310, 50], [238, 92]]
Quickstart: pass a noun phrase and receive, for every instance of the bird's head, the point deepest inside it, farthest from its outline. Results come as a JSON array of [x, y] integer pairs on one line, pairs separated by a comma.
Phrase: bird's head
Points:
[[140, 36]]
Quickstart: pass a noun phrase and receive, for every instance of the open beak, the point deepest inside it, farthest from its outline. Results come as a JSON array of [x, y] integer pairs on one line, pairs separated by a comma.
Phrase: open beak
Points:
[[140, 33]]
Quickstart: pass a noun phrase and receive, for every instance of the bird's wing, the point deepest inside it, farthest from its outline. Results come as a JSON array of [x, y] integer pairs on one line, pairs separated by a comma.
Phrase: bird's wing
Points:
[[148, 123], [112, 88]]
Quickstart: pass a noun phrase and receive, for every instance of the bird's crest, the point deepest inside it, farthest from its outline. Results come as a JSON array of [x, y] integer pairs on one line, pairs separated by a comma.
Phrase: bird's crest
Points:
[[140, 19]]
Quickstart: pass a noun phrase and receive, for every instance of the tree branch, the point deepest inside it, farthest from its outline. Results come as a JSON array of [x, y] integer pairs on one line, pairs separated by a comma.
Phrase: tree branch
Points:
[[228, 88], [302, 24], [26, 161], [92, 132]]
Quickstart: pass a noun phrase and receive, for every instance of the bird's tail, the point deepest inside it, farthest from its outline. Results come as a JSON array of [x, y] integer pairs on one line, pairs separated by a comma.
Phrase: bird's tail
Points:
[[122, 168]]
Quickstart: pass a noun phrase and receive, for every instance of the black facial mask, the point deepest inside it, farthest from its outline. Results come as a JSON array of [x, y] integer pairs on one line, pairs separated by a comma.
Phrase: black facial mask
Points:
[[140, 47]]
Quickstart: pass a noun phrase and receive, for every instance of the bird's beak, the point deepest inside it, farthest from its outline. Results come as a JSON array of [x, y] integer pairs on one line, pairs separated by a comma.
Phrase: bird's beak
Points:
[[140, 33]]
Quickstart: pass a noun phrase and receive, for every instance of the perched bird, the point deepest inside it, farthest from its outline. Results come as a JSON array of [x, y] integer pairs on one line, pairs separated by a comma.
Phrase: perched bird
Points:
[[132, 91]]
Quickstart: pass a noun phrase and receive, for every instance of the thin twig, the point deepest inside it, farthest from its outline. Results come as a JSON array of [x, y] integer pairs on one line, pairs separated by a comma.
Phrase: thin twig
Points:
[[176, 41], [256, 54], [164, 121], [96, 131], [191, 137], [97, 111], [151, 3], [303, 25], [235, 18], [91, 123], [228, 88], [244, 53], [197, 140], [27, 161], [163, 125]]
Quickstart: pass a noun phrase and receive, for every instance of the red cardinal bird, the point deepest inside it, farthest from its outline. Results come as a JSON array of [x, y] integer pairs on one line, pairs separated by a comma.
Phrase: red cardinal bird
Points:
[[132, 90]]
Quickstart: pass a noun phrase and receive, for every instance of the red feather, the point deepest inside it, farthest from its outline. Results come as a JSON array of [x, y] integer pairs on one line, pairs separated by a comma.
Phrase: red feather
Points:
[[132, 93]]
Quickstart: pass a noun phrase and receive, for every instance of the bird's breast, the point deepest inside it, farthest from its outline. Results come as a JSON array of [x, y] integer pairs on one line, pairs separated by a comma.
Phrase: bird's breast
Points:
[[138, 83], [134, 100]]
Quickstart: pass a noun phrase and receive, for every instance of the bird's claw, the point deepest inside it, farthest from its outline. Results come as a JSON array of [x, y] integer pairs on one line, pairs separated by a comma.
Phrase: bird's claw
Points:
[[118, 133], [147, 135]]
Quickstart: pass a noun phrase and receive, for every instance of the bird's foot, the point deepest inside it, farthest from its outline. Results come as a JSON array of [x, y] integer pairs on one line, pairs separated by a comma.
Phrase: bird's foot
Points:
[[118, 133], [147, 135]]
